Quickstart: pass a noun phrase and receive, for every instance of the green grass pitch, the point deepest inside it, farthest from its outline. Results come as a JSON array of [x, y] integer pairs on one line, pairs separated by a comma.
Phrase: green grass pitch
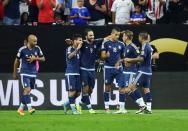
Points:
[[160, 120]]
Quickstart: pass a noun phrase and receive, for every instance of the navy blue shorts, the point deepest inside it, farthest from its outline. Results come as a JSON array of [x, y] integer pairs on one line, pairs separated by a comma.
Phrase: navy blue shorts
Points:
[[88, 78], [112, 73], [28, 81], [73, 83], [142, 80], [129, 78]]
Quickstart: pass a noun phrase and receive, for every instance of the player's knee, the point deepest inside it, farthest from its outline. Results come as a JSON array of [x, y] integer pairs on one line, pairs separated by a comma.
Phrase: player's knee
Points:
[[127, 90], [72, 93], [107, 88], [26, 91], [122, 90], [85, 89], [146, 90], [132, 87]]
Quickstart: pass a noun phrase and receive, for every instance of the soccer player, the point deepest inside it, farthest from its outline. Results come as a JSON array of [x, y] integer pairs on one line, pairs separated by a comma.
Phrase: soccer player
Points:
[[73, 84], [112, 52], [89, 55], [28, 56], [144, 74], [129, 70]]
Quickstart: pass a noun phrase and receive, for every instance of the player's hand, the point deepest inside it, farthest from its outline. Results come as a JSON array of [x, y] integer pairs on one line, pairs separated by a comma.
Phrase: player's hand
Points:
[[79, 46], [15, 77], [97, 7], [117, 65], [68, 41], [76, 15], [126, 62], [107, 54], [31, 59]]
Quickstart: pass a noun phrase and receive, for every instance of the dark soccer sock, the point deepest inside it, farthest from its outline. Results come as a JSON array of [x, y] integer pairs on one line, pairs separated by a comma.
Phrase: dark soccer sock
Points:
[[122, 97], [85, 99], [23, 99], [27, 99], [132, 95], [71, 99], [148, 97], [106, 99], [137, 94]]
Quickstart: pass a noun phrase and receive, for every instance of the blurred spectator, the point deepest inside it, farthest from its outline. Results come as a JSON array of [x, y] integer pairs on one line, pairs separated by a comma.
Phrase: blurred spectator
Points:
[[80, 14], [63, 9], [46, 13], [138, 17], [1, 12], [174, 11], [155, 11], [185, 12], [23, 6], [24, 18], [97, 10], [121, 11], [33, 11], [11, 12], [142, 3]]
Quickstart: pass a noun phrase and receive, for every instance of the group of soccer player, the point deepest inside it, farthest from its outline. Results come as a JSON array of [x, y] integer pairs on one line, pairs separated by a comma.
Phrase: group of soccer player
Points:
[[123, 61]]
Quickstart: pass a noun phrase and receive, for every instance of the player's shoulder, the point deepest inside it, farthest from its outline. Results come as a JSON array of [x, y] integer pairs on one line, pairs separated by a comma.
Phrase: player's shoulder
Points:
[[69, 49], [133, 45], [121, 43], [22, 48], [37, 47]]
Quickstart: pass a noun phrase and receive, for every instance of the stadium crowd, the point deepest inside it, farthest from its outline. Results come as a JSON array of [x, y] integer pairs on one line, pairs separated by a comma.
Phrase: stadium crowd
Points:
[[92, 12]]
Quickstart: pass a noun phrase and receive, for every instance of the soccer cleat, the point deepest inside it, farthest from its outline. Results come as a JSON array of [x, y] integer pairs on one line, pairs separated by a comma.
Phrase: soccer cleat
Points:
[[91, 111], [75, 113], [79, 109], [147, 111], [121, 111], [21, 112], [32, 111], [107, 111], [141, 110]]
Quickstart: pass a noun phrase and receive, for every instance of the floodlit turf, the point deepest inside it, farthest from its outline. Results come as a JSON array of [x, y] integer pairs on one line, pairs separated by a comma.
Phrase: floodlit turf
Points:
[[160, 120]]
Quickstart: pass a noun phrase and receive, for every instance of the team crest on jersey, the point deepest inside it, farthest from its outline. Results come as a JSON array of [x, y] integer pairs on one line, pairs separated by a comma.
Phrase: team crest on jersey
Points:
[[91, 50], [95, 46], [35, 53], [128, 51], [119, 47], [110, 46], [114, 49]]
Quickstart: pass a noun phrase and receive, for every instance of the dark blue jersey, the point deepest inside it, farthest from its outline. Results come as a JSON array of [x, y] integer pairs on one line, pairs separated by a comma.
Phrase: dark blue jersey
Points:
[[27, 68], [116, 50], [131, 51], [89, 54], [73, 64], [146, 53]]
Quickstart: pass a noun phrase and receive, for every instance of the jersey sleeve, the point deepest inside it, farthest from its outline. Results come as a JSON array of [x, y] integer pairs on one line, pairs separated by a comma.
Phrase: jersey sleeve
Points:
[[104, 47], [40, 53], [19, 54], [154, 49], [143, 52]]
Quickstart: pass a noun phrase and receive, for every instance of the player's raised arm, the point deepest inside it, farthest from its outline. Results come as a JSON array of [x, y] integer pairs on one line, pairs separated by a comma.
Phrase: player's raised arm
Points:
[[72, 54]]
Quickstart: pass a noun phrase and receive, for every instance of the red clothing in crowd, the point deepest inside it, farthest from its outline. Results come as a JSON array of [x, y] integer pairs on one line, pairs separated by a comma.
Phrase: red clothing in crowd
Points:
[[46, 14], [33, 2], [1, 10]]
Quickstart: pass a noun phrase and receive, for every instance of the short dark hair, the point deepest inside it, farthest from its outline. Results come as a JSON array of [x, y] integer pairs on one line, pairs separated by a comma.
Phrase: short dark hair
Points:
[[115, 29], [86, 31], [144, 35], [76, 36], [129, 33]]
